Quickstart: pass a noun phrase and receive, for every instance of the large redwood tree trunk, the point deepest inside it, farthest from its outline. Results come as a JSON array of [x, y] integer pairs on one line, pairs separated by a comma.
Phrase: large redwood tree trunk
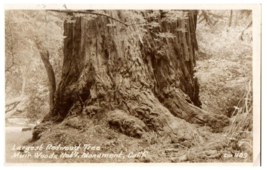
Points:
[[138, 78]]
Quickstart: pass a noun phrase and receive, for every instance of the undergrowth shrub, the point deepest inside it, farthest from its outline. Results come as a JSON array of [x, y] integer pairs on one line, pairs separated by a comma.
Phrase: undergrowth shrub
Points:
[[37, 105], [224, 65]]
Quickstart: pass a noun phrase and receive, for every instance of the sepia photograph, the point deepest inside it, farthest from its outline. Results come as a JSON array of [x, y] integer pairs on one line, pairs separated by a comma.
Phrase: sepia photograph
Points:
[[167, 84]]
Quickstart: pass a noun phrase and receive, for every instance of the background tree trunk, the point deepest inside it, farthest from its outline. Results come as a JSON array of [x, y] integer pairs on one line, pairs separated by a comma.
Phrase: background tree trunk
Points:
[[136, 81], [50, 72], [24, 78], [230, 18]]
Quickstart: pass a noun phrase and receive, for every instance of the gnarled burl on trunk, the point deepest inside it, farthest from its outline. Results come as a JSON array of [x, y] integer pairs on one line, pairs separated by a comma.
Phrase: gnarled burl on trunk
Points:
[[139, 78]]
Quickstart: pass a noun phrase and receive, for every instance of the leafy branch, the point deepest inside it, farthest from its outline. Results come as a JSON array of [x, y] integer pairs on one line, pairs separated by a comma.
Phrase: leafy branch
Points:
[[70, 12]]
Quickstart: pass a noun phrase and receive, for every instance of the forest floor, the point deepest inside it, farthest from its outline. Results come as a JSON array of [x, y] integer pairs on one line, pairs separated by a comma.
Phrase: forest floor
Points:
[[97, 141], [18, 139], [14, 136]]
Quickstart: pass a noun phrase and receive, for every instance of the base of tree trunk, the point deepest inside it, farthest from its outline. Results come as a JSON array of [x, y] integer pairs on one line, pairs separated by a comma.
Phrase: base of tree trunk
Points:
[[143, 115]]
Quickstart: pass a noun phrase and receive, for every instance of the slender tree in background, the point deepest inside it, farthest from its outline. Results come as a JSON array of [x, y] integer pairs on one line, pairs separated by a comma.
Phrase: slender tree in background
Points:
[[44, 53], [230, 18], [30, 34]]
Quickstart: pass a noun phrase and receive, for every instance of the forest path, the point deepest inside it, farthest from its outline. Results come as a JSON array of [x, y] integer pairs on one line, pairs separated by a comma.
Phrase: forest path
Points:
[[16, 134], [15, 137]]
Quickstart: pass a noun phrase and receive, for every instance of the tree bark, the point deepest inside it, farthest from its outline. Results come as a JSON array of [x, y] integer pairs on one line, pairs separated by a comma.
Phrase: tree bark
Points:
[[50, 72], [140, 81]]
